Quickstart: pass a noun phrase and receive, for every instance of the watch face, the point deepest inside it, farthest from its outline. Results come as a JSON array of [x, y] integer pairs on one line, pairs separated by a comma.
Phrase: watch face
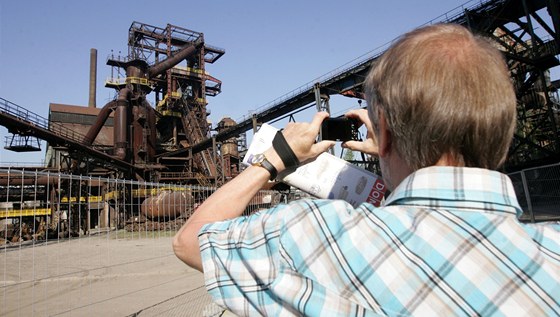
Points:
[[257, 159]]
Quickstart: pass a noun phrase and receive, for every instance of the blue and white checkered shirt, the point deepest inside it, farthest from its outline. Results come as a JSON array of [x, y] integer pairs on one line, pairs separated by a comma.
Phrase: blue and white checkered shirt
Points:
[[447, 242]]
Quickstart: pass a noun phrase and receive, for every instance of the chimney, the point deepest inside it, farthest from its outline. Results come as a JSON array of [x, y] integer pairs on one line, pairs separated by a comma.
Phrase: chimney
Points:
[[92, 77]]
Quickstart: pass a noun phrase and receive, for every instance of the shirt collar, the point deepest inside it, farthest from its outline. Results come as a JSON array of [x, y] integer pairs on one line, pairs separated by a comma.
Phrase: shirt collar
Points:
[[457, 187]]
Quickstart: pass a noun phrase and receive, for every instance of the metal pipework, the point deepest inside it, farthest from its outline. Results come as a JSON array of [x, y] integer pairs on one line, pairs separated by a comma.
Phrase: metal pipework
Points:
[[17, 180], [99, 122], [166, 205], [173, 60], [121, 124]]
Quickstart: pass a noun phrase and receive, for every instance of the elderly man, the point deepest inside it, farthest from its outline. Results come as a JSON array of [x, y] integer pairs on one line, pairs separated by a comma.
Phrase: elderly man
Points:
[[440, 117]]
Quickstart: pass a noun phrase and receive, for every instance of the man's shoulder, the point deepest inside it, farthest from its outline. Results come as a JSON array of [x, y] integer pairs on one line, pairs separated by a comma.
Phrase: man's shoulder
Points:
[[326, 209]]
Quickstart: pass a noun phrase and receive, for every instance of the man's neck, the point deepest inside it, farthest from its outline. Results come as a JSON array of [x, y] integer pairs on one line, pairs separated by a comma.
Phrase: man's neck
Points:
[[448, 159]]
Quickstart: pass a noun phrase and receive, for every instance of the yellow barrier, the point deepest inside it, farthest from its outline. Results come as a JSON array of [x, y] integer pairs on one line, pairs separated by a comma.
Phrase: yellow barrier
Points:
[[11, 213], [114, 194], [176, 94], [127, 80], [169, 113], [137, 80]]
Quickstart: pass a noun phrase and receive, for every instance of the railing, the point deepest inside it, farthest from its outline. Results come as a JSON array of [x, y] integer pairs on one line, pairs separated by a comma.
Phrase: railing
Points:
[[95, 252], [119, 81], [7, 165], [538, 192], [21, 141], [10, 108]]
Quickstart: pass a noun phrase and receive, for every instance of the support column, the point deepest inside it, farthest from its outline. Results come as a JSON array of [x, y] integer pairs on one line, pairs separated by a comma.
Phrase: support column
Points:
[[322, 103], [255, 123]]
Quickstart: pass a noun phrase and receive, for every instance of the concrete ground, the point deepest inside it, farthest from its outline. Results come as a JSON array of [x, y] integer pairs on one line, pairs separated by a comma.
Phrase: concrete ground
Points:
[[104, 275]]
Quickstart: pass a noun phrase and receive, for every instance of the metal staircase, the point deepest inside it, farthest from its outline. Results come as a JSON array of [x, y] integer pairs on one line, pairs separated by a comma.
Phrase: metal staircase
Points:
[[205, 161]]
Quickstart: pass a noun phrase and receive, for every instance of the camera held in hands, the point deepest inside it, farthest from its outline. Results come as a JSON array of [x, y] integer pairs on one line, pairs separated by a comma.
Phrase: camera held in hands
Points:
[[340, 129]]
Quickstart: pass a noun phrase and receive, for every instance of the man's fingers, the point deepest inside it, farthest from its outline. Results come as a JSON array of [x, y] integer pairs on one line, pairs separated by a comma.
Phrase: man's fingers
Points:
[[354, 113], [318, 119], [353, 145], [368, 146], [357, 113], [322, 146]]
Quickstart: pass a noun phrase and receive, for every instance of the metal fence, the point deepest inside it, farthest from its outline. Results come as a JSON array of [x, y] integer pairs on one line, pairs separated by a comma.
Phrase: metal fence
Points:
[[538, 192], [73, 246]]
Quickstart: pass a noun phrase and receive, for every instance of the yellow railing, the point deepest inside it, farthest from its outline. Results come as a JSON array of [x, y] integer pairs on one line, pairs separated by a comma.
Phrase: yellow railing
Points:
[[176, 94], [114, 194], [127, 80], [10, 213], [169, 113], [191, 70], [83, 199], [137, 80], [163, 102]]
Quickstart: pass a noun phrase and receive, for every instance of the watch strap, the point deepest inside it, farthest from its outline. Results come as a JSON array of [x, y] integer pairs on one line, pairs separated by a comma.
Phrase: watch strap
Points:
[[261, 161], [270, 168]]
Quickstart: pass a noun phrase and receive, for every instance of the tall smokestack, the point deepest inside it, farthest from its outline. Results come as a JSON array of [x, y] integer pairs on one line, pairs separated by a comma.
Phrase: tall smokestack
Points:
[[92, 77]]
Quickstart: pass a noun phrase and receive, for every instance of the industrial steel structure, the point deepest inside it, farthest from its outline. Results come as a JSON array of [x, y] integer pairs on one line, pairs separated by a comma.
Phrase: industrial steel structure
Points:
[[527, 32], [169, 139], [144, 134], [172, 141]]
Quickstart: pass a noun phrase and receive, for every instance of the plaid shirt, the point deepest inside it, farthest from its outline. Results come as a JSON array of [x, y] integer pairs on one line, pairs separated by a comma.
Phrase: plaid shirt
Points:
[[447, 242]]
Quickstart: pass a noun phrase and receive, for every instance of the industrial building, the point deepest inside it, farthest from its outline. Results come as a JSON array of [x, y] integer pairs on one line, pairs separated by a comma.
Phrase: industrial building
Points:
[[157, 130]]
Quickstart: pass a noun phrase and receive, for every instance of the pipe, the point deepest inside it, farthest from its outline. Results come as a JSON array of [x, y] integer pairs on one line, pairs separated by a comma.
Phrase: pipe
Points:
[[121, 124], [173, 60], [17, 180], [92, 77], [152, 136], [99, 122], [167, 205]]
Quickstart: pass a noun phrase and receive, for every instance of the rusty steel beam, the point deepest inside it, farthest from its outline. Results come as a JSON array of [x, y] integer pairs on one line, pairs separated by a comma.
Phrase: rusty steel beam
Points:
[[173, 60], [99, 122], [18, 180], [483, 18]]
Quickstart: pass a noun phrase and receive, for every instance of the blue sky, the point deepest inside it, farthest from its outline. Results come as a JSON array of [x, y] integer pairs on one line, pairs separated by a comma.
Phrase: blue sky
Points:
[[272, 47]]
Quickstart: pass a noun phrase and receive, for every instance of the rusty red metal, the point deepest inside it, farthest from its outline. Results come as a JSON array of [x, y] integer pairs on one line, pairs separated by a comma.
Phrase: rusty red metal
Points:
[[167, 204], [173, 60], [121, 125], [92, 78], [102, 117]]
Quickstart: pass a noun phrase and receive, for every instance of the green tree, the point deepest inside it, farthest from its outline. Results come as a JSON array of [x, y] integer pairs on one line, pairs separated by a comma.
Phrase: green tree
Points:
[[348, 155]]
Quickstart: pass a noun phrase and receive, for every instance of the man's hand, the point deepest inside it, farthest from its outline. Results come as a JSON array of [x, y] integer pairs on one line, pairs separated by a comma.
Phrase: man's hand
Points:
[[301, 137], [369, 145], [231, 199]]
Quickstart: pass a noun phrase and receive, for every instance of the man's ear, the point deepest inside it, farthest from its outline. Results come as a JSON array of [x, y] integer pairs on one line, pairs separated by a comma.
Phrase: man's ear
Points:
[[385, 140]]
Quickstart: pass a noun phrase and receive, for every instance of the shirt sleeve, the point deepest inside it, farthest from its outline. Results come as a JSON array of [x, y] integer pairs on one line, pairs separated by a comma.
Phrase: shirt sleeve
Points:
[[240, 258]]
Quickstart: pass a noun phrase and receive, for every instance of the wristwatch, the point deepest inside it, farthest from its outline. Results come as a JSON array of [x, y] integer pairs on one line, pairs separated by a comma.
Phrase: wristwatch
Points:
[[261, 161]]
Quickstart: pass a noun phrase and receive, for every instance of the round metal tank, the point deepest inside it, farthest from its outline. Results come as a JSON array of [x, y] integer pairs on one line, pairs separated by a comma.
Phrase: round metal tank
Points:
[[166, 205], [229, 147]]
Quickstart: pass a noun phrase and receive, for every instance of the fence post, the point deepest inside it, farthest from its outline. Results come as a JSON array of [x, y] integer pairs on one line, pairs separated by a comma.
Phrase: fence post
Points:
[[527, 196]]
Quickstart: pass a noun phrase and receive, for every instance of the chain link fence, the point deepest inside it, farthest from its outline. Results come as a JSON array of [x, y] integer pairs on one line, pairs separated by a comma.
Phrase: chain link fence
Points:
[[73, 245], [538, 192]]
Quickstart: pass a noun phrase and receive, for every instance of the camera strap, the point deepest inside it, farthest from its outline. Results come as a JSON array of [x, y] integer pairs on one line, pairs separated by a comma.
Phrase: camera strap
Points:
[[284, 150]]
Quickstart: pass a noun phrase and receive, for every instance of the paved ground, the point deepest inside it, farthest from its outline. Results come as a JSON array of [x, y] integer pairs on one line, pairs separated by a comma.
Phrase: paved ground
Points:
[[103, 275]]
